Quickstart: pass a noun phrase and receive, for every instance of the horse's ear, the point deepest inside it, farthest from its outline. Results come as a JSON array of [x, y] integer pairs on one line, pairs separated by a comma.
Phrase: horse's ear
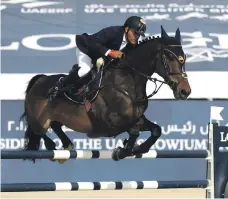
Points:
[[177, 35], [163, 33]]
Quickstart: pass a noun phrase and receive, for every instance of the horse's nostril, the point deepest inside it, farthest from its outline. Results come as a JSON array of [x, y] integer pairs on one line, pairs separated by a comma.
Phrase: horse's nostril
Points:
[[183, 92]]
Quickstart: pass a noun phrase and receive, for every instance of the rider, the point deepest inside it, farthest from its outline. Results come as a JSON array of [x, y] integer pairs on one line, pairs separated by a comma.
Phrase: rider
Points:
[[107, 42]]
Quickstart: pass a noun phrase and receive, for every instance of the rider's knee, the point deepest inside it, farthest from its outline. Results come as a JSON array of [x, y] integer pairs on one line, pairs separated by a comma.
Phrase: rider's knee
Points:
[[83, 71], [157, 131]]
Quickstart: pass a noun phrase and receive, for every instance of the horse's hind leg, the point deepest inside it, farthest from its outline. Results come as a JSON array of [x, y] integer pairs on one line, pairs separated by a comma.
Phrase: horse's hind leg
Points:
[[32, 140], [49, 144], [33, 135], [67, 144], [37, 128], [155, 134], [56, 127]]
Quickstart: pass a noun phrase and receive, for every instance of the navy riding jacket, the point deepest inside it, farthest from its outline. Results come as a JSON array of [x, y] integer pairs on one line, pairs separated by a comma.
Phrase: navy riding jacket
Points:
[[97, 44]]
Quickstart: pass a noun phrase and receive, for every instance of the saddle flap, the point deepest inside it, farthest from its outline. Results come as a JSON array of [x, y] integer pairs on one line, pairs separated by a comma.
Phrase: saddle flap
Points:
[[89, 89]]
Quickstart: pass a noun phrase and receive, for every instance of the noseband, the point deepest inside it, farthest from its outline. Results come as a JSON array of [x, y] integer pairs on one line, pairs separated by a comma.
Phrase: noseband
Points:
[[180, 59]]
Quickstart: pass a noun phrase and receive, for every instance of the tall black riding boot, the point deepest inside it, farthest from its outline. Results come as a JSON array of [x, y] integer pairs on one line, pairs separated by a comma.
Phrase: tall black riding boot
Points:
[[62, 82]]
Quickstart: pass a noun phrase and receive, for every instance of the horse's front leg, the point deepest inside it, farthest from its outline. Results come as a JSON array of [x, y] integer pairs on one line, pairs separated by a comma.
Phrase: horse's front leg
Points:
[[121, 153], [155, 134]]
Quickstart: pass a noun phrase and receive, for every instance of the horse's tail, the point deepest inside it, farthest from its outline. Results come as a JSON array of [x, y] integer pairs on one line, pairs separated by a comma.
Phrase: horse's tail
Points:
[[32, 140]]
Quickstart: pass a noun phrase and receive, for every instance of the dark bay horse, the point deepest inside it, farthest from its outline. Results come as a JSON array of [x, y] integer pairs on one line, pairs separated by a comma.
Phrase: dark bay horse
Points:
[[119, 102]]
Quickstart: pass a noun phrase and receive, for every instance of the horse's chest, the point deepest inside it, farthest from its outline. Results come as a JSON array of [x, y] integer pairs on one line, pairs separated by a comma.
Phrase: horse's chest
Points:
[[139, 110]]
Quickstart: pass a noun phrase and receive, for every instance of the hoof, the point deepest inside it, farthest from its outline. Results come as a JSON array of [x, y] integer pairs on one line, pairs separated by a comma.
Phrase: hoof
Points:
[[116, 154], [61, 161], [70, 147], [120, 153]]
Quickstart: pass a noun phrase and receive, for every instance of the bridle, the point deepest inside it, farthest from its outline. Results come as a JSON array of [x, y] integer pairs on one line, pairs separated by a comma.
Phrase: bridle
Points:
[[180, 59], [172, 84]]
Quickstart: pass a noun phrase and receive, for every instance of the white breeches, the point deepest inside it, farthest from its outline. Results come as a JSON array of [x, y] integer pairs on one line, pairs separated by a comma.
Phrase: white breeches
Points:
[[84, 62]]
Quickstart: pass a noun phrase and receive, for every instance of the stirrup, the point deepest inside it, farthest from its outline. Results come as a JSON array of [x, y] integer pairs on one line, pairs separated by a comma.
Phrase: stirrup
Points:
[[54, 91], [58, 85]]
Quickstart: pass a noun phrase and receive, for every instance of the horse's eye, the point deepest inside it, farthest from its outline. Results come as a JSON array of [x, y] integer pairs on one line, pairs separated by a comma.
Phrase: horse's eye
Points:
[[169, 56]]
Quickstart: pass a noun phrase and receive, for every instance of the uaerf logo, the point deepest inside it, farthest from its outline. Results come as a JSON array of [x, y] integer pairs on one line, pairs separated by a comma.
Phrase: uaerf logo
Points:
[[36, 6]]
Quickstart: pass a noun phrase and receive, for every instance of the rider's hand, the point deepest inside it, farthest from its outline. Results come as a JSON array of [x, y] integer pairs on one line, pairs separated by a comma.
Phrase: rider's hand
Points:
[[115, 54]]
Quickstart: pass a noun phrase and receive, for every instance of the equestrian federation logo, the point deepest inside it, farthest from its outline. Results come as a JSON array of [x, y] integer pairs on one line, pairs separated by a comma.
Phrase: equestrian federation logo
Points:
[[36, 6]]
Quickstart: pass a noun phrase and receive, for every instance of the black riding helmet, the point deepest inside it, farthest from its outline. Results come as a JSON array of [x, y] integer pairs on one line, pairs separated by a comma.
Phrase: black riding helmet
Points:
[[137, 24]]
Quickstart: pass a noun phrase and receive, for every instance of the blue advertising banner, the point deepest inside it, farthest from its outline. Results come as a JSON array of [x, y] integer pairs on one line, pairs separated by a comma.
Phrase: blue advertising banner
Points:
[[47, 30]]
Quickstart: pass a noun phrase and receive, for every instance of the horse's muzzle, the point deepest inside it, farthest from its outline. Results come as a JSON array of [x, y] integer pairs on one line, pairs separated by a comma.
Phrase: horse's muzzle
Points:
[[183, 94], [183, 90]]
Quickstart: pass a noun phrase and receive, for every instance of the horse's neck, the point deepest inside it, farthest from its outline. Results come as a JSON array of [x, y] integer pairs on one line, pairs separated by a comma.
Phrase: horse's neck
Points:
[[126, 79], [131, 75], [143, 57]]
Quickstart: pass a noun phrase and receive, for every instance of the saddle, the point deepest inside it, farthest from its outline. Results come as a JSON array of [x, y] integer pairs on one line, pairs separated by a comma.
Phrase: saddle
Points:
[[88, 91]]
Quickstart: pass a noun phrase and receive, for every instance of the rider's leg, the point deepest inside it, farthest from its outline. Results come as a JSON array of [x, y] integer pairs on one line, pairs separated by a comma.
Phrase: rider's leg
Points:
[[84, 67], [84, 63], [75, 75]]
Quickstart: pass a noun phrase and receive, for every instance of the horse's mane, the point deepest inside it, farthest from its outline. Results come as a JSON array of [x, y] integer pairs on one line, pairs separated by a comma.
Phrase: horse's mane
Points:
[[152, 38], [166, 41]]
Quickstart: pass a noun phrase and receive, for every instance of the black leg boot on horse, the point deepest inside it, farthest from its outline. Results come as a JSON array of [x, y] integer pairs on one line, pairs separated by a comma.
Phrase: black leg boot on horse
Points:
[[156, 132], [121, 153], [71, 79], [130, 148]]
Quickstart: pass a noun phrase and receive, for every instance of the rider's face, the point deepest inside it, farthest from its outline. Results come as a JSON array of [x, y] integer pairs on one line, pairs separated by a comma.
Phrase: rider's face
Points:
[[132, 36]]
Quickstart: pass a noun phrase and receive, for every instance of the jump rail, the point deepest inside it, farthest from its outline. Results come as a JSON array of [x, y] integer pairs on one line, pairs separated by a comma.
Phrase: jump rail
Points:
[[217, 172], [123, 185], [95, 154]]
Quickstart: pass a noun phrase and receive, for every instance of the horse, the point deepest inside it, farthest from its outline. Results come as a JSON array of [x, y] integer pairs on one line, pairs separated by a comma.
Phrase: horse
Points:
[[113, 102]]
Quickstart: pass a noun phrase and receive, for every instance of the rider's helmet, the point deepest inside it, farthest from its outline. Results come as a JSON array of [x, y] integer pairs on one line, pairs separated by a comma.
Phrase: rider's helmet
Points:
[[137, 24]]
